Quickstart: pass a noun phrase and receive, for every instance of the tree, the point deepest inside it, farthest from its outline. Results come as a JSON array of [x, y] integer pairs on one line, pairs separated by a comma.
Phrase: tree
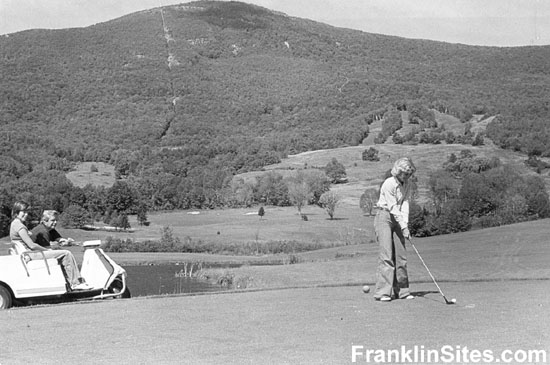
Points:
[[417, 219], [513, 209], [317, 181], [335, 171], [122, 222], [261, 212], [329, 201], [94, 199], [443, 187], [5, 221], [537, 197], [142, 214], [391, 123], [452, 219], [241, 193], [74, 217], [478, 140], [120, 197], [271, 189], [420, 114], [168, 239], [450, 137], [368, 200], [111, 218], [299, 194], [477, 195]]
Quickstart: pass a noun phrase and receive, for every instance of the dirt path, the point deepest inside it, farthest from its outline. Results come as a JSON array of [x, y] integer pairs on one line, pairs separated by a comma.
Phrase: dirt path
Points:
[[294, 326]]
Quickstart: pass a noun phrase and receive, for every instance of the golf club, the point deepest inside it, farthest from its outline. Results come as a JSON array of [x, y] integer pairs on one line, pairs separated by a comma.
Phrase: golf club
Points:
[[452, 301]]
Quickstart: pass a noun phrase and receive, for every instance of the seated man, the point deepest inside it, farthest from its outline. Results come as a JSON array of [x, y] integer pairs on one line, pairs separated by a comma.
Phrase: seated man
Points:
[[45, 233], [22, 242]]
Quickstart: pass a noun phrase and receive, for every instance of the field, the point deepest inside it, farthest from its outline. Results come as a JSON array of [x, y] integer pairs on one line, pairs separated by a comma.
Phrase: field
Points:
[[314, 312], [102, 175], [351, 226]]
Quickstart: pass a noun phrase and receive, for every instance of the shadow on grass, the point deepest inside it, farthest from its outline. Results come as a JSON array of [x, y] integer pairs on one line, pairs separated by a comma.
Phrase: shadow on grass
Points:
[[422, 294], [337, 219]]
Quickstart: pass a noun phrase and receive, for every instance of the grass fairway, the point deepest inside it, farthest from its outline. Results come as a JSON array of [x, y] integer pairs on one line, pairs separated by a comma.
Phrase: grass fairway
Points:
[[514, 252], [238, 226], [315, 312]]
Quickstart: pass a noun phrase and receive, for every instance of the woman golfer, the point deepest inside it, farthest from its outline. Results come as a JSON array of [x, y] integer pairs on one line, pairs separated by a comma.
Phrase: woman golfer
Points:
[[392, 280]]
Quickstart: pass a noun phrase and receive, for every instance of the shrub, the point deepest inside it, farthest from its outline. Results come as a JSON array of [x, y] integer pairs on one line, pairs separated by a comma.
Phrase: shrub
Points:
[[335, 171], [170, 244], [329, 201], [370, 155]]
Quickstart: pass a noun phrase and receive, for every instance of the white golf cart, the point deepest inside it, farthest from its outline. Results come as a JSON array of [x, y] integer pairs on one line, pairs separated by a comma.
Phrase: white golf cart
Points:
[[29, 277]]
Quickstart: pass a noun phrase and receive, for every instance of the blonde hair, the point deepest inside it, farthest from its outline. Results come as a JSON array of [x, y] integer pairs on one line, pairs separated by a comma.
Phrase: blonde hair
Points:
[[403, 165], [49, 214]]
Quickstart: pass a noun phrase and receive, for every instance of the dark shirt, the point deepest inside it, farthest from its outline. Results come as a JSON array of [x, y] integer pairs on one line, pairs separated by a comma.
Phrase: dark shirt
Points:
[[42, 236]]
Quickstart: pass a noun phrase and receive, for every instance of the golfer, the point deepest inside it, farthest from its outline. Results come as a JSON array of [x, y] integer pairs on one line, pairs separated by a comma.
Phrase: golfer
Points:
[[392, 217]]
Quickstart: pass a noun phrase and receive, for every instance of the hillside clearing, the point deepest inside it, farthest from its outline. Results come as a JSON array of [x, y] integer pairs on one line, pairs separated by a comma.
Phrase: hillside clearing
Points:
[[368, 174], [94, 173]]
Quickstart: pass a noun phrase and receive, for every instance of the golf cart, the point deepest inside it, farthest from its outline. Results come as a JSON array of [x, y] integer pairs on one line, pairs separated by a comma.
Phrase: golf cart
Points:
[[29, 277]]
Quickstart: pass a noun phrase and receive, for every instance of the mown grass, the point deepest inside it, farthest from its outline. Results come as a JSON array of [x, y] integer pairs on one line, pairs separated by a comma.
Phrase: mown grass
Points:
[[242, 232], [515, 252]]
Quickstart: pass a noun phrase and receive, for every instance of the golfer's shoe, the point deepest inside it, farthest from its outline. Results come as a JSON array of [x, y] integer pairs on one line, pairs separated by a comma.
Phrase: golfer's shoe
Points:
[[410, 296], [384, 299]]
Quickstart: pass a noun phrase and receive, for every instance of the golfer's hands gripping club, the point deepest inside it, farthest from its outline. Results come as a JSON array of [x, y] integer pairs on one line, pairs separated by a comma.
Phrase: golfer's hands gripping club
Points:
[[407, 233]]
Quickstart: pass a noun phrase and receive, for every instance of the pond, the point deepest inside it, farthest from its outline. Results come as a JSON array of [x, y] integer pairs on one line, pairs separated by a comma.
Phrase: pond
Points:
[[166, 279]]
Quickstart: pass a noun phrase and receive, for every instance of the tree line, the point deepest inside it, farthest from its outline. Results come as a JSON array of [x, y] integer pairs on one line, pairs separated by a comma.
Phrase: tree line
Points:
[[473, 192], [50, 189]]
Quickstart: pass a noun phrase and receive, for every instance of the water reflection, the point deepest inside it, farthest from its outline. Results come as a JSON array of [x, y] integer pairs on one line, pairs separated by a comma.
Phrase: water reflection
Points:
[[166, 279]]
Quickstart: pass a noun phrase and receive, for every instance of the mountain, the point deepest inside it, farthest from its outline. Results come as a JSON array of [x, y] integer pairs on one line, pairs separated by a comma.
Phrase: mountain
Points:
[[228, 87], [212, 71]]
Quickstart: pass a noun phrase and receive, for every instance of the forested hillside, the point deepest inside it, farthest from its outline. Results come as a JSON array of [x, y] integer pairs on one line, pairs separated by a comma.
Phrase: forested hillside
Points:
[[181, 98]]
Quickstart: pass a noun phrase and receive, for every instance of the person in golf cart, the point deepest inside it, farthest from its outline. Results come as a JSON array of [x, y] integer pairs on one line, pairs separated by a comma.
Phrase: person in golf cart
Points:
[[45, 233], [22, 242], [392, 217]]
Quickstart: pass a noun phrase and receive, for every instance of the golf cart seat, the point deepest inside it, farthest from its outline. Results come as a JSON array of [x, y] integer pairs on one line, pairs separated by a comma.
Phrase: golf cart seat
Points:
[[17, 248], [32, 260]]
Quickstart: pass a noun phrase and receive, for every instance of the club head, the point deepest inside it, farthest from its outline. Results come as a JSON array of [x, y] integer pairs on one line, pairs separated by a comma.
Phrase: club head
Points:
[[452, 301]]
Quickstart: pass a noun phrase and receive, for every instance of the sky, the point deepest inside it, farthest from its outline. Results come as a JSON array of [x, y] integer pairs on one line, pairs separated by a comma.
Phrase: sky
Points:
[[500, 23]]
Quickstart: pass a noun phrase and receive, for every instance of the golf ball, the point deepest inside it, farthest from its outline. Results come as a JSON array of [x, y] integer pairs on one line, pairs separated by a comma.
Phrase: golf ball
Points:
[[453, 300], [366, 289]]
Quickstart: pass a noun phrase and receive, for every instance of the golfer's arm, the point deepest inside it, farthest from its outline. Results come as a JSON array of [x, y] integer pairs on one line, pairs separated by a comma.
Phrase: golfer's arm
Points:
[[390, 196]]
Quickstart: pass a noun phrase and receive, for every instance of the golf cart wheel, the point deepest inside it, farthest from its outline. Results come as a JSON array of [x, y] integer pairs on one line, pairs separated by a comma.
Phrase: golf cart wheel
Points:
[[116, 288], [6, 300]]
